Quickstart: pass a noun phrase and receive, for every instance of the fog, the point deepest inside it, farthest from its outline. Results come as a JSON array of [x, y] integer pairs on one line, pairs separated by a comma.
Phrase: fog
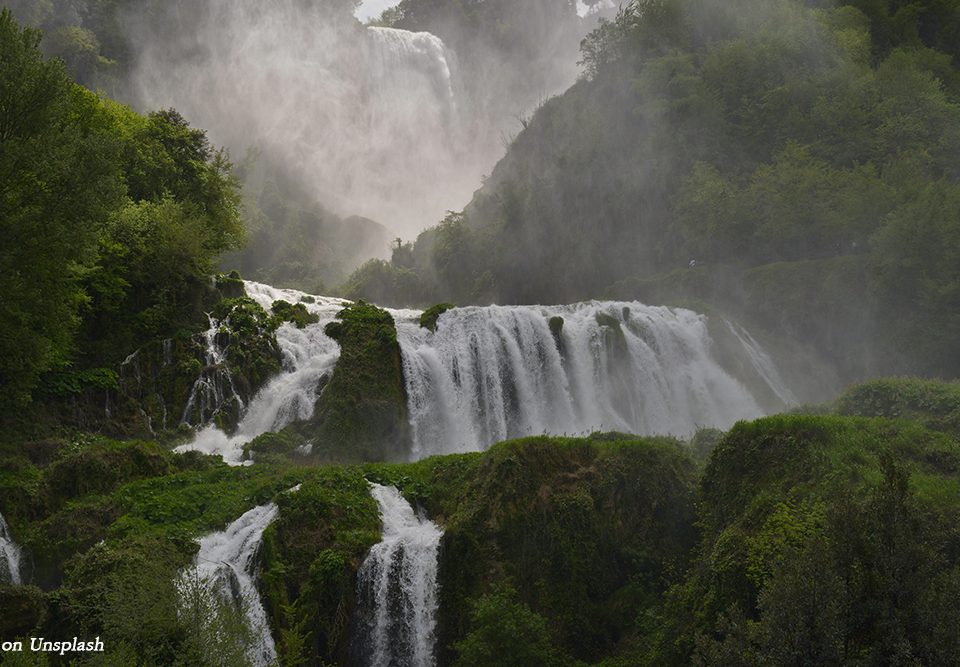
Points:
[[374, 122]]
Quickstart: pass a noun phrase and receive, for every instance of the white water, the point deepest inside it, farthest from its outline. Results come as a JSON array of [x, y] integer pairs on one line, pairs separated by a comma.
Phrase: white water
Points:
[[497, 372], [308, 354], [397, 586], [492, 373], [226, 566], [9, 555]]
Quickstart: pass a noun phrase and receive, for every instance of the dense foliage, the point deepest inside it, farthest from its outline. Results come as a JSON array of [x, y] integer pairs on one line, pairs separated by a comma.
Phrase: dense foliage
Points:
[[802, 540], [112, 221]]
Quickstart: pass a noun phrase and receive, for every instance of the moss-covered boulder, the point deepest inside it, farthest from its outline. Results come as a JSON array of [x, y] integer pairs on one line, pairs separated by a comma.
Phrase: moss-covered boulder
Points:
[[429, 317], [361, 415], [295, 313]]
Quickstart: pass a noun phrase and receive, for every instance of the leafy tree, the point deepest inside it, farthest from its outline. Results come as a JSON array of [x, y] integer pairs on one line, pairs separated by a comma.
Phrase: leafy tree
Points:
[[58, 179], [507, 633]]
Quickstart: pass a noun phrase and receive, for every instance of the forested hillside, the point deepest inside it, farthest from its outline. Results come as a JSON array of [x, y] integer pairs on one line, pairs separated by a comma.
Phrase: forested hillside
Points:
[[112, 223], [794, 164]]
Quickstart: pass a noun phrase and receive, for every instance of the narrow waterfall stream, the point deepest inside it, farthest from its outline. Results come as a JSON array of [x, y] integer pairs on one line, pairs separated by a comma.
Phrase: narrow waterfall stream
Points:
[[226, 566], [9, 556], [397, 588]]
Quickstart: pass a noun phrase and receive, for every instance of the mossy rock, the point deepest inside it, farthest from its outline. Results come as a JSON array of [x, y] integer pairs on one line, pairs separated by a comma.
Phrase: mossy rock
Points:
[[361, 414], [428, 320], [297, 314], [607, 320], [230, 285]]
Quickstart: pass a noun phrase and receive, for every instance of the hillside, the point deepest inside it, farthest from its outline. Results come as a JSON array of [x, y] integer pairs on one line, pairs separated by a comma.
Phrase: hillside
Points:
[[793, 165]]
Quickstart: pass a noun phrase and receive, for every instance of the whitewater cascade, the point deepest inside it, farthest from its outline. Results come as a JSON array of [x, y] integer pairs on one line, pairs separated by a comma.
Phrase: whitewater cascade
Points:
[[397, 588], [9, 555], [308, 355], [226, 566], [498, 372]]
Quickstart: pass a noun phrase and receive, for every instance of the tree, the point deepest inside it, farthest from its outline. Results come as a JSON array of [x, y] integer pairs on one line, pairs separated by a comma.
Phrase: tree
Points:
[[506, 632], [58, 180]]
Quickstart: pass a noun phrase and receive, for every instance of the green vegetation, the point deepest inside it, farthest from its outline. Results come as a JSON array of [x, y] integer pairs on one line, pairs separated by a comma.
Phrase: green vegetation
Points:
[[113, 222], [936, 405], [428, 320], [362, 412], [802, 540], [295, 313]]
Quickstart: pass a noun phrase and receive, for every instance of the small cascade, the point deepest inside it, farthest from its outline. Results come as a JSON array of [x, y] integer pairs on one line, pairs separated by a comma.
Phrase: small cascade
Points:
[[226, 565], [499, 372], [397, 588], [213, 391], [9, 556], [308, 356]]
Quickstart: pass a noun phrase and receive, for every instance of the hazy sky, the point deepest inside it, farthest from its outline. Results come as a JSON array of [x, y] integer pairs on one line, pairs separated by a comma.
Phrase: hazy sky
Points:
[[373, 8]]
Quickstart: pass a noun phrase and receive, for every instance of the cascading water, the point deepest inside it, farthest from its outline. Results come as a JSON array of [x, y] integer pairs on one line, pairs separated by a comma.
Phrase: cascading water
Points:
[[9, 555], [308, 355], [498, 372], [213, 390], [226, 566], [339, 105], [397, 588]]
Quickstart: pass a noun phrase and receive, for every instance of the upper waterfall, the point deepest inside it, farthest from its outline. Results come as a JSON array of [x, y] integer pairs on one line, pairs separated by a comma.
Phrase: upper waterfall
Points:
[[365, 118]]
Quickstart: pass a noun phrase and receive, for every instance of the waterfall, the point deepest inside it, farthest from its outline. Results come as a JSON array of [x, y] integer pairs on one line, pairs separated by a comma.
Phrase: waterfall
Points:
[[492, 373], [213, 390], [499, 372], [9, 556], [226, 566], [397, 588], [762, 364], [338, 105], [308, 355]]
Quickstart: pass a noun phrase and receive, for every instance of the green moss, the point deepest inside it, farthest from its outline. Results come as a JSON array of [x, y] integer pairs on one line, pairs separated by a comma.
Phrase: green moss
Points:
[[428, 320], [605, 320], [296, 314], [230, 285], [556, 325], [362, 412], [933, 403]]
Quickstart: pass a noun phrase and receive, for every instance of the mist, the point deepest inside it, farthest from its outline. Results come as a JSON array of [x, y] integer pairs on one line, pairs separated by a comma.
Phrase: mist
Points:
[[375, 122]]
